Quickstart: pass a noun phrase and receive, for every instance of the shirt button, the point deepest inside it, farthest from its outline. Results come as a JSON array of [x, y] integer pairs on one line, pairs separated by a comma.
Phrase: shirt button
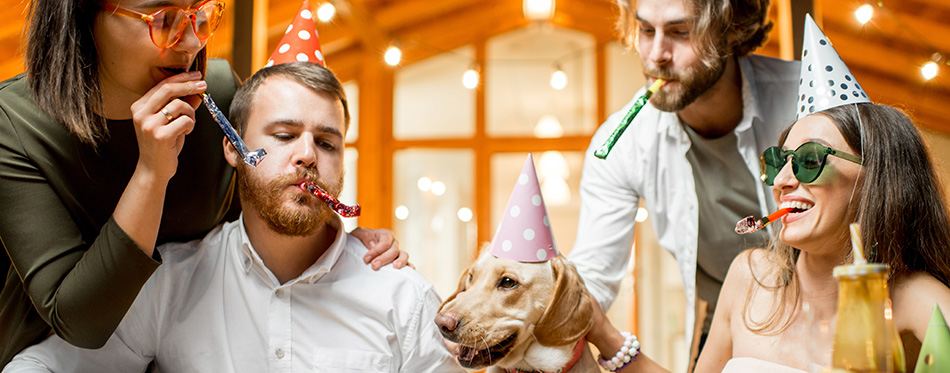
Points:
[[279, 353], [280, 293]]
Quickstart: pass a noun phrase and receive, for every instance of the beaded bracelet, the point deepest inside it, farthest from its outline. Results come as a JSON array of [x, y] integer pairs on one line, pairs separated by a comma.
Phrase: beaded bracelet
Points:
[[627, 354]]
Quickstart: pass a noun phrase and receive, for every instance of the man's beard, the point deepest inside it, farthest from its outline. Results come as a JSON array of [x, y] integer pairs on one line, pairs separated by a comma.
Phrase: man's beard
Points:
[[266, 197], [693, 82]]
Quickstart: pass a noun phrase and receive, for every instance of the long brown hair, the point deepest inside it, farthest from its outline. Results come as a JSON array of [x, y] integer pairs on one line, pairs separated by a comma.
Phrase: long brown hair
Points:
[[900, 208], [718, 28], [62, 65]]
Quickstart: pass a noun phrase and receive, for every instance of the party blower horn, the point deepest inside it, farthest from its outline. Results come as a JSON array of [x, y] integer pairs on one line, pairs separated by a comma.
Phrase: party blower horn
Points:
[[625, 122], [750, 224], [250, 157]]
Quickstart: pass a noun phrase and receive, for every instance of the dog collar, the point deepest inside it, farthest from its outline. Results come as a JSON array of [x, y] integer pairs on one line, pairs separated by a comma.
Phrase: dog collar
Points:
[[578, 350]]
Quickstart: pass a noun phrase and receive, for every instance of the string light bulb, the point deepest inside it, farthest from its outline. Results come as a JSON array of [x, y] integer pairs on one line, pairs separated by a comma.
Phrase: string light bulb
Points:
[[864, 13], [558, 79], [326, 12], [393, 55], [470, 78], [929, 70]]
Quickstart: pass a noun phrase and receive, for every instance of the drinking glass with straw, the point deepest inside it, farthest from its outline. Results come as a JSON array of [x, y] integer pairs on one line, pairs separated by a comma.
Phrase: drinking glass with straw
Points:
[[865, 338]]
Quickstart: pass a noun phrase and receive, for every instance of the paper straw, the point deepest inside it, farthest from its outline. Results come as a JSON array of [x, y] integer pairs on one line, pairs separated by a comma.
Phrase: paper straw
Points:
[[856, 244]]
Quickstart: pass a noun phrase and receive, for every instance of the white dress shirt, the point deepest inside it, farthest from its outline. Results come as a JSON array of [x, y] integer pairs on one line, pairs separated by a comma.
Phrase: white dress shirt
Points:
[[214, 307], [649, 161]]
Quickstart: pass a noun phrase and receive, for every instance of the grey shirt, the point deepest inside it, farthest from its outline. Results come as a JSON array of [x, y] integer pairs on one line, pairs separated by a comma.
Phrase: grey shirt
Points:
[[725, 192]]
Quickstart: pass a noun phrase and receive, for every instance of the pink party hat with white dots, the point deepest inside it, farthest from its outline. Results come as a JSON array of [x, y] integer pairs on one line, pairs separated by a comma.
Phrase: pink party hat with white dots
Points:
[[300, 42], [524, 233], [826, 81]]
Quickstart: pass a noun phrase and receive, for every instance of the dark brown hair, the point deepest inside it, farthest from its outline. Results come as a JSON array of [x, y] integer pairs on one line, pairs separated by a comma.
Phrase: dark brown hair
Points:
[[308, 74], [62, 65], [717, 27]]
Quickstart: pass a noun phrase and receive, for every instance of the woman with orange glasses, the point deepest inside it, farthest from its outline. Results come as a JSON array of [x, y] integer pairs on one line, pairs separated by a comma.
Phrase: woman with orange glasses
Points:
[[103, 154]]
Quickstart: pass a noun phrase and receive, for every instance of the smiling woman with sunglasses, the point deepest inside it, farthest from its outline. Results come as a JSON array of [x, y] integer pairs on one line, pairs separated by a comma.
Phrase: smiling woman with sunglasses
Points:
[[861, 163]]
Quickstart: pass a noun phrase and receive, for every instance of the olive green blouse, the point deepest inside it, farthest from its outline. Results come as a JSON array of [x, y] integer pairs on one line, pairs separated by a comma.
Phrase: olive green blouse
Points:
[[69, 268]]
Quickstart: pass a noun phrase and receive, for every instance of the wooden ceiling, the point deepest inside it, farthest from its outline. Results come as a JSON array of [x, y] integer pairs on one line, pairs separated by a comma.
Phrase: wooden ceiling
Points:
[[885, 55]]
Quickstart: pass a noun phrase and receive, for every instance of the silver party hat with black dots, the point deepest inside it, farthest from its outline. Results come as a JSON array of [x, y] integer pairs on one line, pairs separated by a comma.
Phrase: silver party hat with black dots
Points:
[[826, 81]]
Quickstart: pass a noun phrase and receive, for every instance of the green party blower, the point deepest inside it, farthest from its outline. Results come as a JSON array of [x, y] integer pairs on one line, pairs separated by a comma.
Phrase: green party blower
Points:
[[637, 105]]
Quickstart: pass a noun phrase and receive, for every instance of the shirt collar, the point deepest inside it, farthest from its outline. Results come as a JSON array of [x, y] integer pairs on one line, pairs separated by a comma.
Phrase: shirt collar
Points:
[[750, 106], [323, 265]]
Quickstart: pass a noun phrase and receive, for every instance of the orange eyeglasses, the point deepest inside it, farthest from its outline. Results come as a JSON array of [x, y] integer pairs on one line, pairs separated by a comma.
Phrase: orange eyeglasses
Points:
[[167, 25]]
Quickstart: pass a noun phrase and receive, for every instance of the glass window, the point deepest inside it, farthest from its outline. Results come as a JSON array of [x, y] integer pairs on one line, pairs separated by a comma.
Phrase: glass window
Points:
[[348, 194], [518, 81], [433, 201], [430, 101], [352, 90], [559, 174]]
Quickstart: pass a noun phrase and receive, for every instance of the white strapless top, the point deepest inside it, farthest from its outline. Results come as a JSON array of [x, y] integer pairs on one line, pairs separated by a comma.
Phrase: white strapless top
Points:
[[751, 364]]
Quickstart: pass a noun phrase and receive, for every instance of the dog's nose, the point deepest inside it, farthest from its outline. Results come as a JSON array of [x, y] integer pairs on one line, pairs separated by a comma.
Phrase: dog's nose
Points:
[[447, 322]]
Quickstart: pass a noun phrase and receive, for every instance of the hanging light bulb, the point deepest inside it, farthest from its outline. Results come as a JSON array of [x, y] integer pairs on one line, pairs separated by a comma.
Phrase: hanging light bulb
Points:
[[393, 55], [470, 78], [929, 70], [326, 12], [465, 214], [538, 10], [558, 79], [864, 13], [548, 127], [402, 212]]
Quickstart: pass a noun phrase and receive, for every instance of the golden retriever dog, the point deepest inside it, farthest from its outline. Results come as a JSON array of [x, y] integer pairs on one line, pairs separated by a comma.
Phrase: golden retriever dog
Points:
[[512, 316]]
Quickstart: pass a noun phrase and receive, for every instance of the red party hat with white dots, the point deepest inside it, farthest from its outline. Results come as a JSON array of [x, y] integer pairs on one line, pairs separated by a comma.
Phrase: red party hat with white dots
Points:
[[300, 42], [826, 81], [524, 233]]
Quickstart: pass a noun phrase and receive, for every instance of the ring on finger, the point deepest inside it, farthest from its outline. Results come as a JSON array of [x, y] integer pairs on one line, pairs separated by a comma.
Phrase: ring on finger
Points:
[[167, 115]]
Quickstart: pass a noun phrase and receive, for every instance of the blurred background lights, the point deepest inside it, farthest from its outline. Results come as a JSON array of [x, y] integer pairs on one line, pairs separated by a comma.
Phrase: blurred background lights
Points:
[[326, 12], [553, 164], [548, 127], [438, 188], [558, 79], [556, 192], [424, 184], [929, 70], [470, 79], [402, 212], [393, 55], [642, 215], [465, 214], [864, 13]]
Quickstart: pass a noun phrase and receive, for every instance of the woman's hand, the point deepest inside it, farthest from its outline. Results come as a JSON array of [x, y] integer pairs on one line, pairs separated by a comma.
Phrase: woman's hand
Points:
[[162, 118], [383, 248]]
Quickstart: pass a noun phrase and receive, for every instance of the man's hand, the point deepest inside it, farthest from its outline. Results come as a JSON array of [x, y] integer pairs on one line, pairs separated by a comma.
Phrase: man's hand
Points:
[[383, 248]]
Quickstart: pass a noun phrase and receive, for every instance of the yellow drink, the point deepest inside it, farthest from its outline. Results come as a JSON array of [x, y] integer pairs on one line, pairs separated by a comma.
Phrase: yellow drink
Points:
[[865, 337]]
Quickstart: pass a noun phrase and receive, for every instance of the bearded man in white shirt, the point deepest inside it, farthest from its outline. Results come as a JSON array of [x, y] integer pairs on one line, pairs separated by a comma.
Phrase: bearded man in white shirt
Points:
[[283, 288], [692, 151]]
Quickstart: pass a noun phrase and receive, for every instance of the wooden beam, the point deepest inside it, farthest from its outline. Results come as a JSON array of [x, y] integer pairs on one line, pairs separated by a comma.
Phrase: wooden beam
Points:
[[798, 10], [483, 212], [375, 163], [250, 49]]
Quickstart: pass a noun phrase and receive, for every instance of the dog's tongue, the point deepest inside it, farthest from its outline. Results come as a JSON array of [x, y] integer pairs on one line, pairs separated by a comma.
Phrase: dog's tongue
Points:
[[466, 353]]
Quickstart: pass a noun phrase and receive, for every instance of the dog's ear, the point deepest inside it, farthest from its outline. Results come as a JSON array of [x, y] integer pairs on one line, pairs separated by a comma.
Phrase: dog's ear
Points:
[[463, 285], [569, 316]]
